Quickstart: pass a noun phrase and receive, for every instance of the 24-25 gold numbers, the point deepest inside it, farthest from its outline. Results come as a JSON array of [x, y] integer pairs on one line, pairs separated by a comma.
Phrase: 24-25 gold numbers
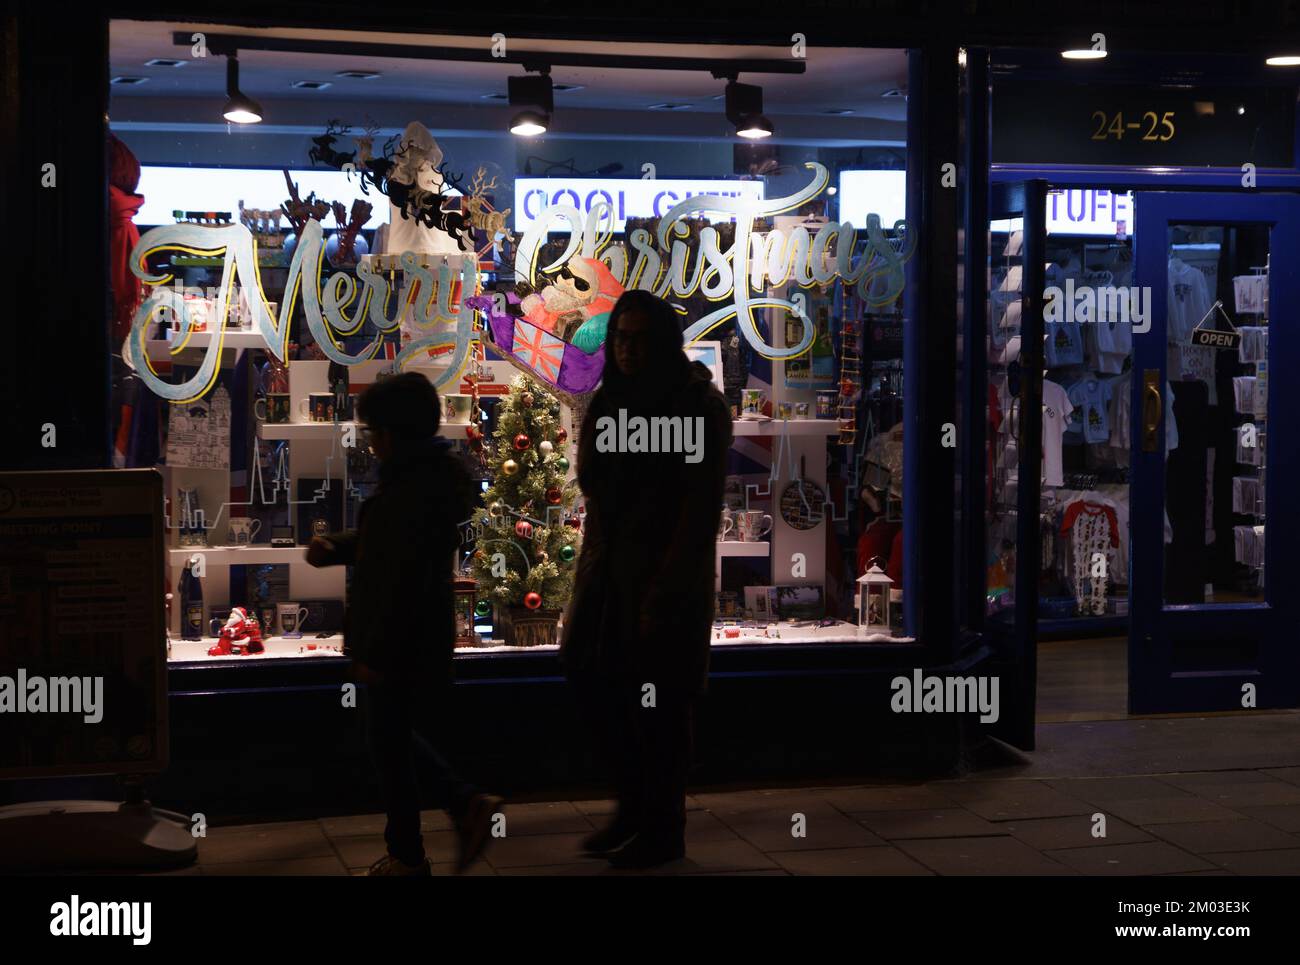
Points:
[[1152, 127]]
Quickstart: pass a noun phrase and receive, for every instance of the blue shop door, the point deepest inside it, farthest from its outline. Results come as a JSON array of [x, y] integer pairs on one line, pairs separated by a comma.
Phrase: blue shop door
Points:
[[1009, 485], [1215, 454]]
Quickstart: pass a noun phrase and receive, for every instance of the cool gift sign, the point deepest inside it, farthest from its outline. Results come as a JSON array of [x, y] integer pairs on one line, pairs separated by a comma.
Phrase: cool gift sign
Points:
[[646, 198]]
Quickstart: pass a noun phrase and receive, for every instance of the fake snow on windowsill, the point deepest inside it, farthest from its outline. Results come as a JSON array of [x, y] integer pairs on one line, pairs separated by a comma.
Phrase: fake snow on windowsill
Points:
[[277, 648], [785, 633]]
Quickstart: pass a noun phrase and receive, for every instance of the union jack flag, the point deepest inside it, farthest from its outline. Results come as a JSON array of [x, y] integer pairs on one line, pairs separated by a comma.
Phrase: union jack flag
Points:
[[539, 350]]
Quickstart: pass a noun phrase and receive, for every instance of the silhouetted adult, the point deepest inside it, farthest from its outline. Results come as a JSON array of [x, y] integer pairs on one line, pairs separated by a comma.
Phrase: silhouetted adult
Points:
[[400, 626], [637, 637]]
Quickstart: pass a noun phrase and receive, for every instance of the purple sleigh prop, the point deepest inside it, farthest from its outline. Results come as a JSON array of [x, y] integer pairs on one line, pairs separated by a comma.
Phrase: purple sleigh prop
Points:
[[557, 363]]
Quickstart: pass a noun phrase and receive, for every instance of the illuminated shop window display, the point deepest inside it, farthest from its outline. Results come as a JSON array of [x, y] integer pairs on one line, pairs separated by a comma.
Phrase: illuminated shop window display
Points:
[[475, 219]]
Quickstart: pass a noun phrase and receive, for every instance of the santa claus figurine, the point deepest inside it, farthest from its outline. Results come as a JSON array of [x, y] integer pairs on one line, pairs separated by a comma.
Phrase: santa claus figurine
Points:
[[576, 306], [241, 635]]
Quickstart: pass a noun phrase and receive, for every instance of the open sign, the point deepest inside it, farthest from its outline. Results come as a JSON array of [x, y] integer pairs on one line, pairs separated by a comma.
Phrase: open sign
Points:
[[1213, 338]]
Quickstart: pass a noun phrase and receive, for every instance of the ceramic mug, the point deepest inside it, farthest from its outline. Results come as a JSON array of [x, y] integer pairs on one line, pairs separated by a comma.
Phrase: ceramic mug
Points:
[[243, 529], [753, 525], [292, 617], [726, 524], [317, 407], [456, 409], [784, 410], [827, 400], [801, 410], [752, 401], [274, 408]]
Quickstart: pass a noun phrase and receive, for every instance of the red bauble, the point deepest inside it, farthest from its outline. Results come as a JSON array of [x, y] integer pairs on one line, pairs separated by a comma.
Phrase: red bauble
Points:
[[573, 521], [561, 434], [522, 442], [554, 495], [524, 529], [533, 601]]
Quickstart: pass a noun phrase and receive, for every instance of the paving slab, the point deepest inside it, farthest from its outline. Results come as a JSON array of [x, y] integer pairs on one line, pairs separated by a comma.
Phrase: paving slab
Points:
[[1142, 858]]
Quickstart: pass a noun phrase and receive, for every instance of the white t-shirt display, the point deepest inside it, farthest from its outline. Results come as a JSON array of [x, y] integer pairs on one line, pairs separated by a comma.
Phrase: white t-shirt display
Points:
[[1189, 302], [1056, 418]]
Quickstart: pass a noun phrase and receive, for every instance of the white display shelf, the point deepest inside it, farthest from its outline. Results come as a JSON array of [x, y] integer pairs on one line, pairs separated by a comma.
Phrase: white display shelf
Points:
[[160, 349], [735, 547], [277, 648], [785, 427], [289, 431], [838, 632], [257, 554]]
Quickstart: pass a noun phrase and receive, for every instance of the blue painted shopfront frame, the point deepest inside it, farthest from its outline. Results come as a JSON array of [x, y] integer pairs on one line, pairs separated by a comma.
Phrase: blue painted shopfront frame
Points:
[[1151, 689], [1162, 677]]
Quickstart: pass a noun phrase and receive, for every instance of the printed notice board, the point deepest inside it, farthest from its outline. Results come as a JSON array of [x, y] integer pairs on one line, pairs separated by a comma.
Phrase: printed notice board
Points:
[[83, 647]]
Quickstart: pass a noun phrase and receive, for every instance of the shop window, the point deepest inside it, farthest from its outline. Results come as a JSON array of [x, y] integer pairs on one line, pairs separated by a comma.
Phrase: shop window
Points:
[[284, 278]]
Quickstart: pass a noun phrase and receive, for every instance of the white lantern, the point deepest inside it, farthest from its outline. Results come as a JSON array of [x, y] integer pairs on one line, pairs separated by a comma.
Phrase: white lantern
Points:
[[873, 600]]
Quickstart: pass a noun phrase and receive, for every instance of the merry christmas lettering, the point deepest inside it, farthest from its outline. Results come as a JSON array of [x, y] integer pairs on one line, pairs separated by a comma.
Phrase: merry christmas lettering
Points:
[[341, 305], [333, 308], [773, 258]]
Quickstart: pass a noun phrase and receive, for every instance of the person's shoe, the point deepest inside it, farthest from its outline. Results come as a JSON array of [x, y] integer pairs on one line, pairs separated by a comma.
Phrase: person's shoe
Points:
[[643, 853], [389, 865], [608, 839], [474, 829]]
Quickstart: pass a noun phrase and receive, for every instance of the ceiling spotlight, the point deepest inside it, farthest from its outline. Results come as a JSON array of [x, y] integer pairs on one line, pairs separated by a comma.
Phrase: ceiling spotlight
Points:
[[528, 123], [240, 109], [1284, 60], [534, 94], [744, 105], [1083, 53]]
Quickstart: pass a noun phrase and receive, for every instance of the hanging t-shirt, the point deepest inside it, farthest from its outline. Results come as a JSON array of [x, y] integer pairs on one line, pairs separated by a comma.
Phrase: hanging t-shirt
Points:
[[1189, 303], [1063, 344], [1056, 416], [1091, 416]]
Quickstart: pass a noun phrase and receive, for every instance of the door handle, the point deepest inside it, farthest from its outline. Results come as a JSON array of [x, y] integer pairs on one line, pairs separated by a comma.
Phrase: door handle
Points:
[[1153, 406]]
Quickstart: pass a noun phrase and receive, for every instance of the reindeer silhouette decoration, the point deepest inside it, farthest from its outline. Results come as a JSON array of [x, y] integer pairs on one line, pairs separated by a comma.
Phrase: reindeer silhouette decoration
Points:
[[324, 153]]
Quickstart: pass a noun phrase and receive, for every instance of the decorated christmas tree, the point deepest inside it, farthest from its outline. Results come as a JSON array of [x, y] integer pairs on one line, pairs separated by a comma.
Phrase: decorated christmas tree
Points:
[[528, 542]]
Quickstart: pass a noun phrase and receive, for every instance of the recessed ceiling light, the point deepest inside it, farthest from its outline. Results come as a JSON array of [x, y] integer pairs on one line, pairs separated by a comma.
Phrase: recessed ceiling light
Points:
[[1083, 53], [310, 84], [495, 96], [1284, 60], [566, 88], [838, 111], [358, 74], [128, 81], [164, 62], [894, 92], [667, 106]]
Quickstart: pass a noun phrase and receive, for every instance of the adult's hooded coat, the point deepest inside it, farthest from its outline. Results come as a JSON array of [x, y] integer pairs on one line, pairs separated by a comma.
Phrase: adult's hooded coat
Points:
[[400, 615], [649, 537]]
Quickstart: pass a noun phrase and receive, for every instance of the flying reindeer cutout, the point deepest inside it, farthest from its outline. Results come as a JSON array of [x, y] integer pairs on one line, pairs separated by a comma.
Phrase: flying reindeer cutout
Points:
[[324, 153]]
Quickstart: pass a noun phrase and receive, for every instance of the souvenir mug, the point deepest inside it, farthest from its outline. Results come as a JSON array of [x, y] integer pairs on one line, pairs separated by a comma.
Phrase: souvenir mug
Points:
[[243, 529], [784, 410], [726, 524], [801, 410], [317, 407], [752, 402], [274, 408], [753, 525], [826, 400], [456, 409], [292, 618]]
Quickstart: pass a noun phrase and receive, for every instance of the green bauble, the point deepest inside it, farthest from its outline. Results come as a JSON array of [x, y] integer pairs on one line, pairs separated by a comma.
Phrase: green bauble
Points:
[[562, 464], [482, 608], [567, 554]]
